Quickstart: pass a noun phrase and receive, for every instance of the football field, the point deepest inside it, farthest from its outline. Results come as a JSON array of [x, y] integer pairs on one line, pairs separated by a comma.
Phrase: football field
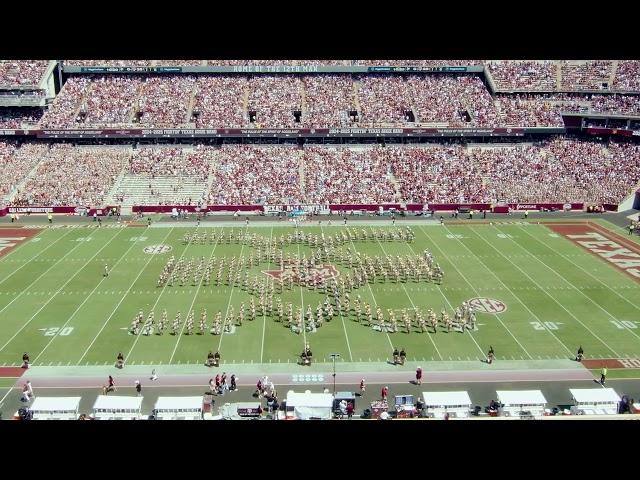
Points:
[[537, 293]]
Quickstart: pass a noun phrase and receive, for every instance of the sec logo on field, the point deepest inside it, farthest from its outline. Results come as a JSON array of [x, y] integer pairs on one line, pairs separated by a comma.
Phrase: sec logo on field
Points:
[[157, 249], [487, 305]]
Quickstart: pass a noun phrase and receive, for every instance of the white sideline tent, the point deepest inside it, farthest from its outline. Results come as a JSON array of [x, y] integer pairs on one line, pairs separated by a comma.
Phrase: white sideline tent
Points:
[[437, 404], [178, 408], [595, 401], [304, 406], [117, 408], [55, 408], [516, 401]]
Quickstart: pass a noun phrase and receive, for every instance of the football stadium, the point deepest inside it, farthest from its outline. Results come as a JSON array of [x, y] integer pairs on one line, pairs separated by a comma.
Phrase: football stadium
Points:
[[319, 239]]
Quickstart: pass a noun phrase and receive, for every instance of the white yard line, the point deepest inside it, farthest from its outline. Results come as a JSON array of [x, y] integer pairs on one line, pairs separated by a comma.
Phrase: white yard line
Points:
[[414, 305], [445, 297], [373, 297], [230, 297], [164, 288], [474, 290], [6, 395], [544, 291], [512, 293], [576, 288], [264, 318], [25, 289], [26, 262], [59, 289], [86, 299], [304, 327], [175, 349], [121, 300], [344, 325]]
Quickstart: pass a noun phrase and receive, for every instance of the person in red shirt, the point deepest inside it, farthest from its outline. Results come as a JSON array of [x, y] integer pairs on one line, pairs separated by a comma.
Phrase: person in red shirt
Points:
[[349, 410], [362, 386], [418, 376], [384, 393]]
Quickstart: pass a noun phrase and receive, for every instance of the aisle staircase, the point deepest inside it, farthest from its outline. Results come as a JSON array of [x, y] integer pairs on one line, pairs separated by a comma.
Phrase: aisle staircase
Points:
[[12, 194], [614, 70]]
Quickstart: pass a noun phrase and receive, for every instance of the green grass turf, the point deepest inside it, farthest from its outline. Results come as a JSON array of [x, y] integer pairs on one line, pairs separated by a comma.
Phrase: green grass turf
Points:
[[558, 296], [618, 373]]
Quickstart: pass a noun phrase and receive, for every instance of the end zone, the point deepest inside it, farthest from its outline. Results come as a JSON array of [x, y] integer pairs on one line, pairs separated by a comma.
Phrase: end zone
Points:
[[11, 238], [612, 363]]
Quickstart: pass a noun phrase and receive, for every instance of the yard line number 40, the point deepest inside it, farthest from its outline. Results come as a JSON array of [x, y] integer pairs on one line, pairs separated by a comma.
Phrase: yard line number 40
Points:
[[545, 325]]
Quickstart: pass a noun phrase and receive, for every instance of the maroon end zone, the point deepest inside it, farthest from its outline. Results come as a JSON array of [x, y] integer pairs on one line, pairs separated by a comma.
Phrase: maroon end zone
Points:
[[11, 372], [11, 238], [610, 247], [613, 363]]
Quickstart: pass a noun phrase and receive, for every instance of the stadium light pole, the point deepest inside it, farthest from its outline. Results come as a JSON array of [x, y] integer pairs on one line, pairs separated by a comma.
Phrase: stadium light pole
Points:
[[334, 356]]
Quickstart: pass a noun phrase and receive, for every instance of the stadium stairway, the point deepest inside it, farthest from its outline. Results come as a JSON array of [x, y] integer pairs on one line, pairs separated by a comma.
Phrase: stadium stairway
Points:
[[558, 77], [192, 102], [9, 198], [109, 199], [629, 200], [614, 70], [356, 96]]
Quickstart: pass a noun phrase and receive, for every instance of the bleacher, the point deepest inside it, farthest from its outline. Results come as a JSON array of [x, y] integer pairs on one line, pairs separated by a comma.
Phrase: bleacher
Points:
[[159, 190]]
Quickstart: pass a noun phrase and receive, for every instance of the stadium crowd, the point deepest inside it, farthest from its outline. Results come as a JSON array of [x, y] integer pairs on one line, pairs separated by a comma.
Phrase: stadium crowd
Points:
[[627, 76], [247, 174], [164, 100], [559, 170], [274, 99], [219, 101], [13, 117], [523, 75], [22, 72], [324, 101], [329, 99], [69, 176], [586, 75], [154, 161], [347, 175]]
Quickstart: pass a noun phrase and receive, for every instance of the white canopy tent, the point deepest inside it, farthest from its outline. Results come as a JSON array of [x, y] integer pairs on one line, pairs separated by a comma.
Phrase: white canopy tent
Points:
[[517, 401], [55, 408], [307, 405], [438, 403], [117, 408], [178, 408], [595, 401]]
